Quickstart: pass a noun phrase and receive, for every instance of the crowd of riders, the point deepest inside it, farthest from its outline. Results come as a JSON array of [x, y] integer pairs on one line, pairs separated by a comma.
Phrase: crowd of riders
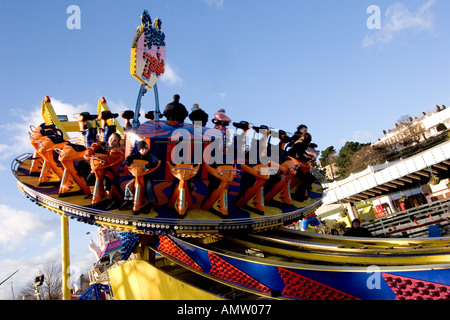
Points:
[[109, 152]]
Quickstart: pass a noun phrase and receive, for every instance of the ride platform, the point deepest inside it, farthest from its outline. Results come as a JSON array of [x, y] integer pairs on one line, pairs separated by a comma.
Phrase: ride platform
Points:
[[164, 216]]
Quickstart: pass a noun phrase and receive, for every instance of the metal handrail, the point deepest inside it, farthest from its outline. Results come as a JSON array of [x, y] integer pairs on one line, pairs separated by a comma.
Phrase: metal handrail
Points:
[[407, 219]]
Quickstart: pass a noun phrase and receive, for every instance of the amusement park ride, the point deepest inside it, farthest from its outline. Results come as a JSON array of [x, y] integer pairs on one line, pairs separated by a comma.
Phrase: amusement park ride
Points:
[[198, 243]]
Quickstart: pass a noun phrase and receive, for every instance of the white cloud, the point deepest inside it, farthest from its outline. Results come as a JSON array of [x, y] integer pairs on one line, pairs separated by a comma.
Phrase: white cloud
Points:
[[51, 254], [170, 76], [16, 133], [118, 107], [47, 237], [223, 95], [82, 264], [361, 137], [28, 269], [399, 18], [217, 3], [19, 226]]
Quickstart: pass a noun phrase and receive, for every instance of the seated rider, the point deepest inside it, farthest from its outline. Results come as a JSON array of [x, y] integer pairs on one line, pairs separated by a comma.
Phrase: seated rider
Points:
[[301, 129], [282, 154], [241, 149], [221, 122], [240, 146], [175, 110], [142, 153], [281, 147], [298, 151], [199, 115], [112, 155], [151, 115], [311, 152]]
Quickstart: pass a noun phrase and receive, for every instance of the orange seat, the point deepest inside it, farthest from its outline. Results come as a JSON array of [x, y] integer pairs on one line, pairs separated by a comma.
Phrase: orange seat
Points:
[[98, 167], [253, 198], [181, 199], [71, 181], [218, 199], [281, 190], [138, 170]]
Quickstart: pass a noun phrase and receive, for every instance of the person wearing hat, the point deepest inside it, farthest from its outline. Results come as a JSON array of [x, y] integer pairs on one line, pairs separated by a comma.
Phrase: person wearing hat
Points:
[[197, 114], [142, 153], [240, 146], [284, 140], [259, 147], [151, 115], [221, 121]]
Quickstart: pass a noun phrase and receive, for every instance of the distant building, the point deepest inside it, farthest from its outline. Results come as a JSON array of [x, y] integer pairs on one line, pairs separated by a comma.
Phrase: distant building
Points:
[[330, 171], [414, 130]]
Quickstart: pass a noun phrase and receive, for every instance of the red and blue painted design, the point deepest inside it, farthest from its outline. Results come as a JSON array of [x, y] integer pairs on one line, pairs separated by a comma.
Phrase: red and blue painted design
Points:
[[320, 284]]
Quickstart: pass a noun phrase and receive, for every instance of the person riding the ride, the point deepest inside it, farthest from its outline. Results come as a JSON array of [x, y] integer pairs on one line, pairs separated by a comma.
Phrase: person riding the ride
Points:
[[142, 153], [175, 111], [298, 151], [111, 156], [198, 115]]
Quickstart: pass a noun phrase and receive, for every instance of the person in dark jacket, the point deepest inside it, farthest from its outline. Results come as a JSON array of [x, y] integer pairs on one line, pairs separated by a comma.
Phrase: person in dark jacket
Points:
[[142, 153], [284, 140], [301, 129], [282, 155], [298, 151], [357, 231], [198, 114], [175, 110], [300, 146]]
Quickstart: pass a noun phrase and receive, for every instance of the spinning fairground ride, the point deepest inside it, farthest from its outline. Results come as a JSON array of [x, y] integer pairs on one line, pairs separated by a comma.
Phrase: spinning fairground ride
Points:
[[222, 221]]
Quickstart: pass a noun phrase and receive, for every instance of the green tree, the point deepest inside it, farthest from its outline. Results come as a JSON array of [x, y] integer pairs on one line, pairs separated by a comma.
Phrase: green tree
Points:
[[326, 156], [344, 158]]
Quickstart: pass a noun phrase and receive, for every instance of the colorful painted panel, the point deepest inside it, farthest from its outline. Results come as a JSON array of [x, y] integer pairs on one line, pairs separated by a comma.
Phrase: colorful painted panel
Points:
[[300, 287], [310, 282], [226, 271], [406, 288], [148, 52], [168, 246]]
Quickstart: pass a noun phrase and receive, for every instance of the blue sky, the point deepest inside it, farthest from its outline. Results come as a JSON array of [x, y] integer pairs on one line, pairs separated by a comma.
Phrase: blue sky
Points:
[[279, 63]]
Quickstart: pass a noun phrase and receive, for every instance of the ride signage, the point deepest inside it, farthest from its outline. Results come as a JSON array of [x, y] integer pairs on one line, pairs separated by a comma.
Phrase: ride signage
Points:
[[148, 51]]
